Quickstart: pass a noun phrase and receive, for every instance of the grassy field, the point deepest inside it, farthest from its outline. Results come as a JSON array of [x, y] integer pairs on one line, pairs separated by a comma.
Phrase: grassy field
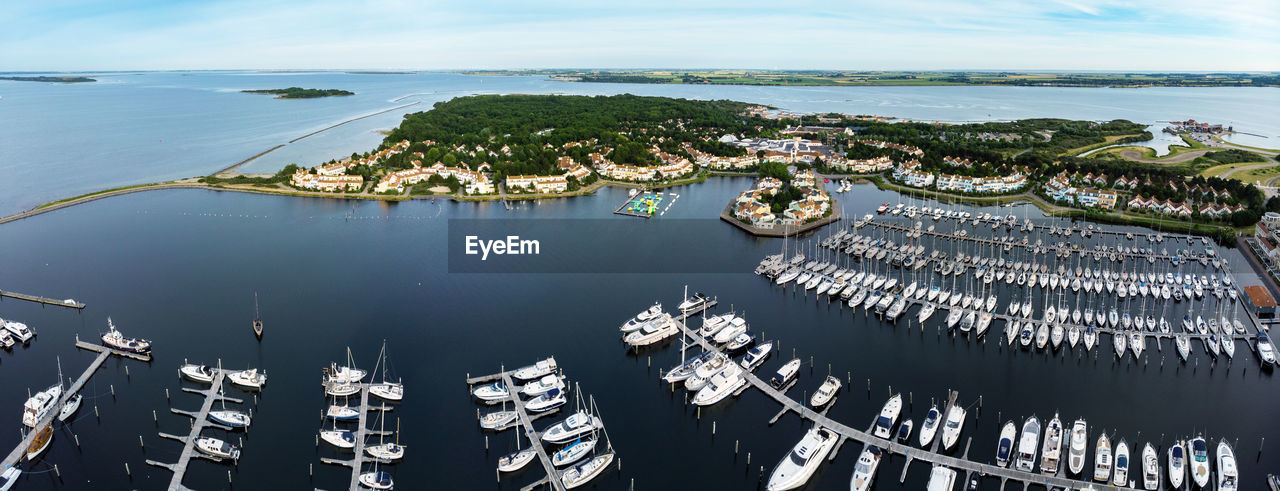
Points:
[[1109, 140], [1263, 175], [1219, 170]]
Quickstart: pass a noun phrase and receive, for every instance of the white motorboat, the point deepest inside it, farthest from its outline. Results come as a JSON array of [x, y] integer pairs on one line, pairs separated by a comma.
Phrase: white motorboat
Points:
[[197, 373], [1027, 444], [736, 327], [1004, 451], [496, 391], [531, 372], [1102, 459], [1078, 446], [584, 472], [698, 300], [756, 356], [1199, 461], [377, 480], [740, 341], [1266, 351], [825, 392], [251, 378], [953, 426], [1150, 468], [1177, 463], [1051, 450], [888, 416], [19, 330], [552, 399], [542, 385], [40, 404], [930, 426], [640, 319], [721, 385], [342, 375], [651, 333], [573, 452], [217, 449], [339, 438], [1120, 476], [572, 427], [703, 373], [803, 460], [1228, 475], [785, 374], [941, 479], [865, 470], [516, 460], [712, 325], [904, 431]]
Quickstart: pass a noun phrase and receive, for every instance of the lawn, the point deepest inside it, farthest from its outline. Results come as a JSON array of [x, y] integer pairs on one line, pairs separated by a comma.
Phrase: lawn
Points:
[[1219, 170]]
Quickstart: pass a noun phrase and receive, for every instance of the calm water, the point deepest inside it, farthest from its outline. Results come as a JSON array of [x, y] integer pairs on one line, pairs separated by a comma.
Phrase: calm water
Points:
[[133, 128], [334, 274]]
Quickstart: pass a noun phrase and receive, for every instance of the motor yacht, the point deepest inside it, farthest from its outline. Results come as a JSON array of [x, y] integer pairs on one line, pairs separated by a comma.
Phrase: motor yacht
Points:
[[795, 469]]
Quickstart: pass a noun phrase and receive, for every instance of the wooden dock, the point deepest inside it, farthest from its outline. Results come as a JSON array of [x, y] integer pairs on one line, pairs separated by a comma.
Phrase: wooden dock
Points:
[[535, 438], [933, 457], [68, 303], [20, 451], [362, 434], [199, 421]]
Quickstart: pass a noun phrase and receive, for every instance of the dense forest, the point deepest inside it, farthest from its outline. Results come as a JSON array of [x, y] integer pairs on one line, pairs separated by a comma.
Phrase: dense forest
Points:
[[301, 93], [536, 129]]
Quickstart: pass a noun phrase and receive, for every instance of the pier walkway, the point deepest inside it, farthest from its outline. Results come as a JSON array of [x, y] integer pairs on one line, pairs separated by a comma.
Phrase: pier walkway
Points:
[[850, 433], [200, 420], [535, 438], [20, 451], [68, 303], [362, 434]]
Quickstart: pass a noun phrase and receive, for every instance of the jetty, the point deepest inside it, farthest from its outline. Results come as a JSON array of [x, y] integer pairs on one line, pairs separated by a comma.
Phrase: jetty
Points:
[[20, 451], [362, 433], [932, 456], [200, 420], [68, 303], [535, 437]]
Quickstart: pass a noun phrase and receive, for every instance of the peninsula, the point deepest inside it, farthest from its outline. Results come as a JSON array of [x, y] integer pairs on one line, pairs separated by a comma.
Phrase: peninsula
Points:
[[301, 93], [505, 147], [907, 78]]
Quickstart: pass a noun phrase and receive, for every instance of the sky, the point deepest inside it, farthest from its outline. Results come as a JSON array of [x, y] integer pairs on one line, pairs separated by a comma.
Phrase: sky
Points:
[[1132, 35]]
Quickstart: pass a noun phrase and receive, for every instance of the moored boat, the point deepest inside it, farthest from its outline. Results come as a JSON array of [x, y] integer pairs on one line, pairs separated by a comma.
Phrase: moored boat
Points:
[[888, 416], [1004, 450], [584, 472], [803, 460]]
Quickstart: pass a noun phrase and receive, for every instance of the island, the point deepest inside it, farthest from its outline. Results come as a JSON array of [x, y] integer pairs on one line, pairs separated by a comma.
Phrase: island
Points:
[[301, 93], [60, 80]]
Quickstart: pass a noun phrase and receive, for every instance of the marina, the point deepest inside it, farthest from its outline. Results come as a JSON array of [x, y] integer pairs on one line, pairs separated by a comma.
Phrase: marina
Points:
[[1056, 277], [1055, 477]]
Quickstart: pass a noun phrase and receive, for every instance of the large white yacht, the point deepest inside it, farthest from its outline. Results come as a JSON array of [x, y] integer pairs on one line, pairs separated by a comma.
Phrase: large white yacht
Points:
[[800, 463], [888, 416]]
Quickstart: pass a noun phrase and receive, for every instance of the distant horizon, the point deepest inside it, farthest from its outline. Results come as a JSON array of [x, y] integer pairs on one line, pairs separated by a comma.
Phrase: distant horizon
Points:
[[393, 71], [1125, 36]]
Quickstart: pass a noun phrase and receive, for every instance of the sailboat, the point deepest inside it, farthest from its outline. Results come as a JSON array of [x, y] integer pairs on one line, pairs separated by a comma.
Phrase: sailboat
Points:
[[584, 471], [41, 442], [257, 318], [228, 417], [391, 391], [386, 451]]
